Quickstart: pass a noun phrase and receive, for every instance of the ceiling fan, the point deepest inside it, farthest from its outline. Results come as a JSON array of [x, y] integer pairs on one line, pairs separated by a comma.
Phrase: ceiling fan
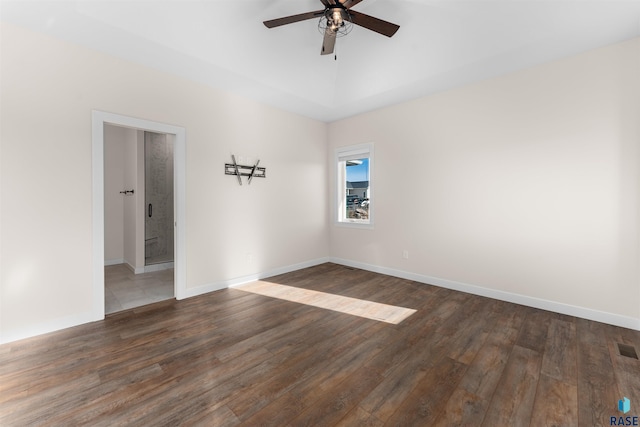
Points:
[[335, 20]]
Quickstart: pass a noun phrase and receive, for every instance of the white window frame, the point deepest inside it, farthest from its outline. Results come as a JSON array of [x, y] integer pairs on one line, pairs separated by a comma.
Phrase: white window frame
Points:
[[342, 154]]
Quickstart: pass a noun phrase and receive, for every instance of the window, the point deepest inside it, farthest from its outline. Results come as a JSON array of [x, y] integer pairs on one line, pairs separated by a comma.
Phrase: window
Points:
[[354, 193]]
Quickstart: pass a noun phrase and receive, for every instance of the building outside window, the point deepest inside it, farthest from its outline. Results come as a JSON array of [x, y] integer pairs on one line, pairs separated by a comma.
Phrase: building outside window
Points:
[[354, 192]]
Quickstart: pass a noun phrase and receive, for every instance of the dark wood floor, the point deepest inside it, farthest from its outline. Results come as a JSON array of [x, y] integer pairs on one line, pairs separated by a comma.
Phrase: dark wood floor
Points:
[[234, 358]]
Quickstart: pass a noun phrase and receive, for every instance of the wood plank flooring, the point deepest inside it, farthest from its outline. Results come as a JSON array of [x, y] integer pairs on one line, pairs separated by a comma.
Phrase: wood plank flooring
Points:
[[354, 306], [235, 358]]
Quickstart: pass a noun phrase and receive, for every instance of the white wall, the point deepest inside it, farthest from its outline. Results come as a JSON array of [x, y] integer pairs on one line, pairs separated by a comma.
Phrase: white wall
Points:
[[121, 165], [114, 172], [132, 240], [523, 187], [47, 99]]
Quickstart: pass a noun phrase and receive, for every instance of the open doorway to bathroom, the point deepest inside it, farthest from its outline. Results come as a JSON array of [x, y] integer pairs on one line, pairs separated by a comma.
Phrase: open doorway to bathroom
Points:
[[99, 120], [139, 218]]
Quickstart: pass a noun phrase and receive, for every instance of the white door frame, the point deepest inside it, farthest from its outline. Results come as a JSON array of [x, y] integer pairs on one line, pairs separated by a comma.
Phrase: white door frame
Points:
[[98, 120]]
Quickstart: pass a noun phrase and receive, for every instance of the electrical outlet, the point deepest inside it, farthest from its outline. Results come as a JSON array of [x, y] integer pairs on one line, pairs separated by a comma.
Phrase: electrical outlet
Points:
[[249, 258], [405, 254]]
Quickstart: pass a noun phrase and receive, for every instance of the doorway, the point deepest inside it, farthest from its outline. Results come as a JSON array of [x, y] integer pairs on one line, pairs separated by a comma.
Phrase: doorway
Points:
[[177, 206], [139, 218]]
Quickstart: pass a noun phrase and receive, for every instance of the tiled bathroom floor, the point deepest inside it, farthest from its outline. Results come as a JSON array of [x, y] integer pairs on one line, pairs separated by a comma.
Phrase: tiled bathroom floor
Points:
[[124, 290]]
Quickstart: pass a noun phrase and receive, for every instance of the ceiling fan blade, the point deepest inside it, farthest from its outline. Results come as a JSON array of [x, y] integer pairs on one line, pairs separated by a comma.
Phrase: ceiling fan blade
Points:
[[293, 18], [349, 3], [328, 43], [374, 24]]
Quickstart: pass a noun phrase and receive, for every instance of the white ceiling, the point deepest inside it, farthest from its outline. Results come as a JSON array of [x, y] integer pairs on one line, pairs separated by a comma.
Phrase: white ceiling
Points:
[[441, 44]]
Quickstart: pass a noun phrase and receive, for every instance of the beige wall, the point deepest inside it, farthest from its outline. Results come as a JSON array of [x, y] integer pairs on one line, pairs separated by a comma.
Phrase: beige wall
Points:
[[521, 186], [114, 173], [133, 230], [121, 169], [49, 89], [524, 186]]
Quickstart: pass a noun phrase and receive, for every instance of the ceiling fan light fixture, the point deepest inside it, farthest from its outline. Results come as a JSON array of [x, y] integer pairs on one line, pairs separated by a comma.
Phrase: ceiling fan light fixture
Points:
[[335, 20], [336, 17]]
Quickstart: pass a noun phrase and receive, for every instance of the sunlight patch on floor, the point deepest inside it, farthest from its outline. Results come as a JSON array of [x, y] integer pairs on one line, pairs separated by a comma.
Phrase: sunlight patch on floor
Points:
[[354, 306]]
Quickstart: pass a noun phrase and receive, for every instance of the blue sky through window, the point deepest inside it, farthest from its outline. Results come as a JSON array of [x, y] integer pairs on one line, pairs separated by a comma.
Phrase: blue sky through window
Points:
[[359, 172]]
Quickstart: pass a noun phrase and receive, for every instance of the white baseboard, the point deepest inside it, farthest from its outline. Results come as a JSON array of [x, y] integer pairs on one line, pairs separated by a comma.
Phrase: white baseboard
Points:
[[47, 327], [157, 267], [203, 289], [75, 320], [570, 310], [122, 261], [134, 270], [585, 313]]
